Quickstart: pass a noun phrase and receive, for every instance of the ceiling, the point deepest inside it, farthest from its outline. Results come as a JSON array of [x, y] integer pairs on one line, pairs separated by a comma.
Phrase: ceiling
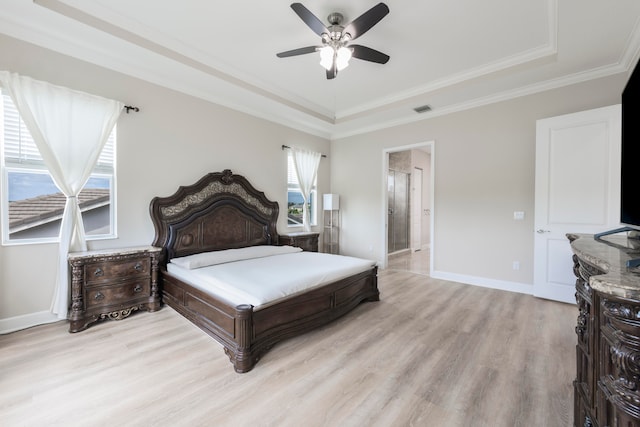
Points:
[[448, 54]]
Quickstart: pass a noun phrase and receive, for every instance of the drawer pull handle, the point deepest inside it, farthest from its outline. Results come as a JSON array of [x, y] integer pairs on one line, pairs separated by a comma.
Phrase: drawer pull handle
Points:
[[138, 288], [137, 267], [99, 272], [99, 296]]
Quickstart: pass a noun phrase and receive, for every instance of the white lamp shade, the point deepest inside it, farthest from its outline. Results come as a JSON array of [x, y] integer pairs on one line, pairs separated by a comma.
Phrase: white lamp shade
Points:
[[342, 58], [331, 202], [326, 57]]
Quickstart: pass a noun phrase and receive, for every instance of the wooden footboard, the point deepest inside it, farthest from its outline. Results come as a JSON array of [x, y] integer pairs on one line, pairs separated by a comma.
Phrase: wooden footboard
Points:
[[247, 334]]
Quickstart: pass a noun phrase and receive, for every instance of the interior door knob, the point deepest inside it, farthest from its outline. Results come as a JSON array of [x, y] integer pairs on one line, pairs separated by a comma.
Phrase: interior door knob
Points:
[[541, 231]]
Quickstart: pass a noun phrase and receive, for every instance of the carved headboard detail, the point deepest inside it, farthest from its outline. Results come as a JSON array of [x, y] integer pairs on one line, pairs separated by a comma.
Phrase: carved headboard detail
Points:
[[220, 211]]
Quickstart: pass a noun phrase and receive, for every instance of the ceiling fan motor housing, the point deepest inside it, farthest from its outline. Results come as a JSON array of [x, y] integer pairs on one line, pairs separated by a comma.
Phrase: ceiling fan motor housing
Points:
[[335, 18]]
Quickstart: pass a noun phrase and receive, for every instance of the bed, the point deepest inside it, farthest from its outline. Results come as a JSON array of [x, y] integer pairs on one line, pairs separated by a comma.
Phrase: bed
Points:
[[223, 213]]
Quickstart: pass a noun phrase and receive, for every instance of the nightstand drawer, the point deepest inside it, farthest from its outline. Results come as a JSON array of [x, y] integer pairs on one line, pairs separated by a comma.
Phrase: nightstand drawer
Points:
[[122, 293], [113, 270]]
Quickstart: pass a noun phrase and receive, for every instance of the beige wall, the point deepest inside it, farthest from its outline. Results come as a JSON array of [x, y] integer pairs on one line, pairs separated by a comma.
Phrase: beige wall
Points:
[[484, 171], [174, 140]]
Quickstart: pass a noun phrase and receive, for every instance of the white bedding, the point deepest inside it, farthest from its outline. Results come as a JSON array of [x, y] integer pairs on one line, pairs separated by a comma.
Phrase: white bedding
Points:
[[206, 259], [265, 280]]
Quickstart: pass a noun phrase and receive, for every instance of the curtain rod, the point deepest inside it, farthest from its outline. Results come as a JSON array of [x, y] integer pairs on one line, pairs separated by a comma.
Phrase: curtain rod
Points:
[[286, 147]]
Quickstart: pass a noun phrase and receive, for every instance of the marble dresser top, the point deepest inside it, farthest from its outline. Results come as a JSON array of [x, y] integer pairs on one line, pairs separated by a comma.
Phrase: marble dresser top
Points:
[[610, 255], [113, 252]]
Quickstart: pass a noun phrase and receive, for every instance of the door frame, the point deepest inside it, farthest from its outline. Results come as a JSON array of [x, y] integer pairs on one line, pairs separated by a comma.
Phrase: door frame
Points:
[[385, 203], [415, 214]]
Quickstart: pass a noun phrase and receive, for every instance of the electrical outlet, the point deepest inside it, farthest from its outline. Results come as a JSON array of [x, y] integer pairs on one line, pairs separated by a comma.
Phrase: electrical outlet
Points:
[[516, 265]]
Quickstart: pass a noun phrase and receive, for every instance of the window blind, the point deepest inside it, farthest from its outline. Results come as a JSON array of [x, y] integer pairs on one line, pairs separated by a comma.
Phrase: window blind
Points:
[[20, 148], [292, 178]]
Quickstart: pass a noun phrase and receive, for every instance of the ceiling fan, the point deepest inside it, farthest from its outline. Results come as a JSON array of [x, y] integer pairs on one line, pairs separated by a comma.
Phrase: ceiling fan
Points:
[[336, 50]]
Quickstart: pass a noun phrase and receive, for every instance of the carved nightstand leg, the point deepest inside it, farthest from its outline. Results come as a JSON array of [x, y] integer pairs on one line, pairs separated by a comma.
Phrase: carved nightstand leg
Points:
[[154, 305]]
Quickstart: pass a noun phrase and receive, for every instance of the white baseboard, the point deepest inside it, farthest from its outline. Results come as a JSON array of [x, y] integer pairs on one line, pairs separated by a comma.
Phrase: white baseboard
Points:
[[28, 320], [25, 321], [503, 285]]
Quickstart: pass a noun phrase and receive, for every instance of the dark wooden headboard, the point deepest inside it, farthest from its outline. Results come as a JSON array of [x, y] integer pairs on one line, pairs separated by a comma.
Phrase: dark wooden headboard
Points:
[[220, 211]]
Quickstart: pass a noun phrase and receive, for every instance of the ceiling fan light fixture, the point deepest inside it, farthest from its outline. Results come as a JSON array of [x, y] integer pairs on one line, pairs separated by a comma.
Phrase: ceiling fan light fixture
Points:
[[335, 52], [329, 54]]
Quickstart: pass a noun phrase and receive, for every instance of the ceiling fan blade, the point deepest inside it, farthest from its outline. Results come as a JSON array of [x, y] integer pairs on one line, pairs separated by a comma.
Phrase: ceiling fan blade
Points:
[[333, 72], [364, 22], [299, 51], [368, 54], [309, 18]]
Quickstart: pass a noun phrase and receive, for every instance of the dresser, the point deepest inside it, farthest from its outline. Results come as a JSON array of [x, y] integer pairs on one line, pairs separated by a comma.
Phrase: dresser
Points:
[[308, 241], [607, 384], [112, 284]]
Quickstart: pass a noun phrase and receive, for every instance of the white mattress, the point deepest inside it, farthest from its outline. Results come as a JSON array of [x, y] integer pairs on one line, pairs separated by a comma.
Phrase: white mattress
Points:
[[266, 280]]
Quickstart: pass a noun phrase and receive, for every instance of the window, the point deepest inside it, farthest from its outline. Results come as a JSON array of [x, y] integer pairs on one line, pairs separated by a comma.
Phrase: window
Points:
[[294, 197], [31, 204]]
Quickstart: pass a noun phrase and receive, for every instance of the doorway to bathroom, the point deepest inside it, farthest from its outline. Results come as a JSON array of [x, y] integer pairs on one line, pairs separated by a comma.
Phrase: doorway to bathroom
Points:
[[408, 207]]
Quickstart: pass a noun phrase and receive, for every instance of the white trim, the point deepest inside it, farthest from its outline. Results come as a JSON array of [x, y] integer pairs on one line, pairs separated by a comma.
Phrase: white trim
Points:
[[17, 323], [536, 54], [489, 99], [432, 205], [503, 285], [556, 292]]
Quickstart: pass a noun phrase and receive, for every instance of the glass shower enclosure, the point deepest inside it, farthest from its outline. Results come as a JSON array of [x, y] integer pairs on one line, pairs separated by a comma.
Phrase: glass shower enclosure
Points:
[[398, 210]]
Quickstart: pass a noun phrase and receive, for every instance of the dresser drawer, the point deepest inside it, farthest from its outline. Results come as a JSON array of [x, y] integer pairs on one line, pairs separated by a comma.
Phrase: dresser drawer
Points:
[[101, 272], [121, 293]]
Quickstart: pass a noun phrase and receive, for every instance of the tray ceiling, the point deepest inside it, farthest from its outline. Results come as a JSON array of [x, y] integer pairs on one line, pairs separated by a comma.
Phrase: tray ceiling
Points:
[[450, 55]]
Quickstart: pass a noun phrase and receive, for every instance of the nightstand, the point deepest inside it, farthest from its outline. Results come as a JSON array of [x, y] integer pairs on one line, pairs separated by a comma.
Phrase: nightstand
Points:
[[308, 241], [112, 284]]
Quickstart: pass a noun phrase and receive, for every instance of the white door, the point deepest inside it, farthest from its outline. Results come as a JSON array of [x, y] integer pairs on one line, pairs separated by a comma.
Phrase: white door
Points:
[[577, 190], [416, 210]]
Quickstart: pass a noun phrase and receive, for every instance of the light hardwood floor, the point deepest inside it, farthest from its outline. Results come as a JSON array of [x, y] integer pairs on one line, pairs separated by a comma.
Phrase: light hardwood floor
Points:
[[430, 353], [414, 261]]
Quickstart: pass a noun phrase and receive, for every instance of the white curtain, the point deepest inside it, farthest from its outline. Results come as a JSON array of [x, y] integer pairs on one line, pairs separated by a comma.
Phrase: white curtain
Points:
[[70, 129], [306, 163]]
